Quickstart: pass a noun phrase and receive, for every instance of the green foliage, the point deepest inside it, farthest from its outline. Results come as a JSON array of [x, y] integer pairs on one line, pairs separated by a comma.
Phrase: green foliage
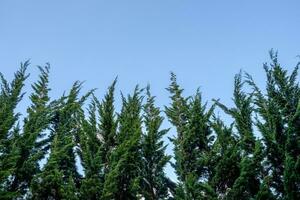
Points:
[[32, 144], [278, 109], [123, 156], [247, 183], [122, 180], [107, 125], [90, 154], [224, 159], [154, 160], [61, 163], [10, 95], [192, 143], [97, 140]]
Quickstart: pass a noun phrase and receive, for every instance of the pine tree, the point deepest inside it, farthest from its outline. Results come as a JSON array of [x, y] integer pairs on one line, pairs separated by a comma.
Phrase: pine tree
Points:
[[10, 95], [154, 185], [32, 144], [192, 143], [61, 167], [122, 180]]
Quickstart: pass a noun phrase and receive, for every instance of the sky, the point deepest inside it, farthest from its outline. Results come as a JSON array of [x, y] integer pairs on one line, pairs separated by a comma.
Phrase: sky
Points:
[[205, 43]]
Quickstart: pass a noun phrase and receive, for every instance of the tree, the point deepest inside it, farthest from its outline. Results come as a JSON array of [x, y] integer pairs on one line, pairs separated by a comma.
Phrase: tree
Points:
[[279, 126], [10, 95], [32, 144], [192, 143], [247, 183], [224, 158], [154, 184], [123, 155], [107, 125], [122, 180], [97, 140], [61, 169], [90, 154]]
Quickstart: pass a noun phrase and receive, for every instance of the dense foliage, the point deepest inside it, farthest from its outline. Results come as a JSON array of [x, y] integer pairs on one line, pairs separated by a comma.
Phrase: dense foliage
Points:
[[79, 147]]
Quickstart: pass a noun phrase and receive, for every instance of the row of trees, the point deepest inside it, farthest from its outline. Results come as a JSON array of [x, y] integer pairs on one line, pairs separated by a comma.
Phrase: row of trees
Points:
[[123, 154]]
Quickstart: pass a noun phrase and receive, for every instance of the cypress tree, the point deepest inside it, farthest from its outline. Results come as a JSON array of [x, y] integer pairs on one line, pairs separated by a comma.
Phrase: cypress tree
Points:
[[224, 159], [10, 95], [247, 184], [32, 144], [60, 169], [122, 180], [264, 192], [123, 155], [90, 154], [177, 114], [107, 125], [97, 141], [278, 109], [154, 184], [192, 143]]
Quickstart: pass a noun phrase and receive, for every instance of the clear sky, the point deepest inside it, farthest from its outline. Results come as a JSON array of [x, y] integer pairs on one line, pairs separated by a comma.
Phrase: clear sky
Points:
[[204, 42]]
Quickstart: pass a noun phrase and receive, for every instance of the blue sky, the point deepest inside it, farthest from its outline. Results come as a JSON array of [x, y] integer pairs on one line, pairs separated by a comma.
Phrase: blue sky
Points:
[[204, 42]]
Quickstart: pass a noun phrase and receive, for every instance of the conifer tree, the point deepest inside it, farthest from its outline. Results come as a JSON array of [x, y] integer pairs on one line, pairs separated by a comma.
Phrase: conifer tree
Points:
[[60, 169], [107, 125], [247, 184], [32, 144], [123, 155], [70, 190], [154, 184], [10, 95], [192, 143], [224, 158], [97, 140], [90, 154], [278, 109], [122, 180]]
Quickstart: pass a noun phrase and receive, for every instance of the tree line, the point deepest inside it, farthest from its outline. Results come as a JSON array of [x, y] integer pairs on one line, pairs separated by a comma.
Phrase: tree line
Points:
[[123, 154]]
